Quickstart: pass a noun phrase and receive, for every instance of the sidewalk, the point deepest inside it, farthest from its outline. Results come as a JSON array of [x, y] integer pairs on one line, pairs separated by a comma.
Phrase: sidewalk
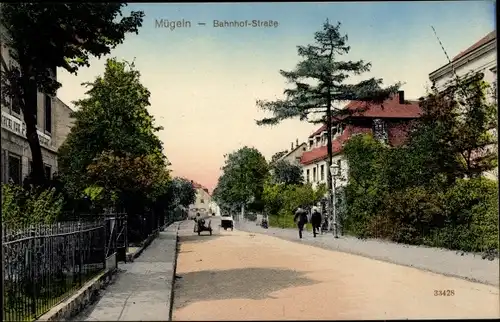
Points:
[[142, 289], [442, 261]]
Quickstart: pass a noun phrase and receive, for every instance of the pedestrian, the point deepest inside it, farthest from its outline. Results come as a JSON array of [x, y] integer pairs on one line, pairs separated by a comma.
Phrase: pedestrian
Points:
[[301, 219], [316, 220], [197, 222]]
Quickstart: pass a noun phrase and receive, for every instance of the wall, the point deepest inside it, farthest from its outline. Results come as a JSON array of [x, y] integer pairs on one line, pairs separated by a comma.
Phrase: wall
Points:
[[14, 129], [203, 200], [341, 180], [62, 114], [483, 64], [294, 156], [487, 64]]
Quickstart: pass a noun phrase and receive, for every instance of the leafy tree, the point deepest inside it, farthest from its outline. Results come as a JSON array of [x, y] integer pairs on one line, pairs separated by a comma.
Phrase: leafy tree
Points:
[[42, 37], [183, 192], [287, 173], [277, 155], [113, 144], [320, 80], [462, 120], [243, 177]]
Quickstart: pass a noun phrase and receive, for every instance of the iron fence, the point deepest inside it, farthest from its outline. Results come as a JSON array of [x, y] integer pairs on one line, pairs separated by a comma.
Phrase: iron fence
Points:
[[45, 264]]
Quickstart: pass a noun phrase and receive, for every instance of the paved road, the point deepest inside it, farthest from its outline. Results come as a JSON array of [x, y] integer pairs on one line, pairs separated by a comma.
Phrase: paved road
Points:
[[236, 275], [437, 260]]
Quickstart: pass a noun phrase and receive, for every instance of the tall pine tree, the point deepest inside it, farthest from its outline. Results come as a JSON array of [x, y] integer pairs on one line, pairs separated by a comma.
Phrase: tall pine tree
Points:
[[320, 80]]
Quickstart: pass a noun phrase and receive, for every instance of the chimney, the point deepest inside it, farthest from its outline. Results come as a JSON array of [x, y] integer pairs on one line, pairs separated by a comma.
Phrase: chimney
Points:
[[291, 147], [296, 142], [401, 95]]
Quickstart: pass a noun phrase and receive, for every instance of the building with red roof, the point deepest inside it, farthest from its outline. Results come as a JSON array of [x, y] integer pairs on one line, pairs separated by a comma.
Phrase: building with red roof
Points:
[[388, 122]]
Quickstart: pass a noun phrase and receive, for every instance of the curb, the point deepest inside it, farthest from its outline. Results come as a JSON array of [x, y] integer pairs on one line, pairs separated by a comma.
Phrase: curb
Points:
[[80, 299], [174, 269]]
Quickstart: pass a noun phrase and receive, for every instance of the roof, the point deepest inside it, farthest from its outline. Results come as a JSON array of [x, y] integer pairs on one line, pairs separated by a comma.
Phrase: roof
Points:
[[285, 155], [390, 108], [196, 185], [486, 39]]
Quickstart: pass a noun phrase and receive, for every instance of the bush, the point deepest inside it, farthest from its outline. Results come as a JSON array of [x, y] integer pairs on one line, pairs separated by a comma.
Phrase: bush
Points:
[[408, 216], [22, 207], [471, 209]]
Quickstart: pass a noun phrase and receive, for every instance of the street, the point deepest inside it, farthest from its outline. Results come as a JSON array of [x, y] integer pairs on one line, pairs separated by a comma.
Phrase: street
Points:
[[236, 275]]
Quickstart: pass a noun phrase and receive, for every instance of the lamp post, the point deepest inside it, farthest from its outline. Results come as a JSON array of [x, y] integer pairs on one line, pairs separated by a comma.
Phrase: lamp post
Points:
[[334, 171]]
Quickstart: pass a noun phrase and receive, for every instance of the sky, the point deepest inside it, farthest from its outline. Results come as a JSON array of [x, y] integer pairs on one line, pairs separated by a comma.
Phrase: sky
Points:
[[205, 80]]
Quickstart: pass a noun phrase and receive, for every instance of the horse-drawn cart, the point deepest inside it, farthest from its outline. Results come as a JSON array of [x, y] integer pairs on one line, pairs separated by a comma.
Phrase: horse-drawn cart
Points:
[[200, 226]]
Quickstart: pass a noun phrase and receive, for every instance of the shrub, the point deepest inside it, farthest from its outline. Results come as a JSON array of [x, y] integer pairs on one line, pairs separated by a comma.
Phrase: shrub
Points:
[[471, 209], [21, 207]]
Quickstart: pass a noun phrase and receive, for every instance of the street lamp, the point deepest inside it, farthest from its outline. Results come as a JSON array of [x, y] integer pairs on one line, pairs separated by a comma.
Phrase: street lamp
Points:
[[334, 171]]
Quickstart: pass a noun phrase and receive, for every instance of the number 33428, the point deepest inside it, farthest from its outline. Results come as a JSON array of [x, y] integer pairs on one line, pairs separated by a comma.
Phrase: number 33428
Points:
[[444, 292]]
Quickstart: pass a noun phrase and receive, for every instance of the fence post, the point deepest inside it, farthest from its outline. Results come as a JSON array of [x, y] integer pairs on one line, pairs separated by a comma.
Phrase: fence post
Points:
[[80, 259], [105, 240], [32, 271]]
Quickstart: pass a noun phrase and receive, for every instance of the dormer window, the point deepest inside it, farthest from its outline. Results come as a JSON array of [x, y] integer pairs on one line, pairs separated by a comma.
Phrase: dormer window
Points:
[[318, 141], [311, 142]]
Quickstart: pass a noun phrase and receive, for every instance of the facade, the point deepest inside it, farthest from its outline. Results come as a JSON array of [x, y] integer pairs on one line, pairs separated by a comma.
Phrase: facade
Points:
[[203, 201], [53, 125], [295, 153], [388, 122], [480, 57]]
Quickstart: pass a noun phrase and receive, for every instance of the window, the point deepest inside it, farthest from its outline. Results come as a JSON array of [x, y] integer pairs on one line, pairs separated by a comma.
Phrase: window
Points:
[[380, 130], [202, 200], [14, 172], [322, 172], [48, 170], [15, 107], [307, 175], [30, 166], [48, 114], [314, 174]]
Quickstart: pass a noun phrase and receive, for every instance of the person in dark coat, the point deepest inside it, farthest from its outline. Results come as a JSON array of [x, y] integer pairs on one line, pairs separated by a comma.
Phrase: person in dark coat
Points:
[[316, 221], [301, 219]]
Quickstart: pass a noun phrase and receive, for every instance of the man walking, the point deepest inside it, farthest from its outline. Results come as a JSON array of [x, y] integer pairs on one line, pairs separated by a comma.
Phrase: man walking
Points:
[[301, 219], [316, 221]]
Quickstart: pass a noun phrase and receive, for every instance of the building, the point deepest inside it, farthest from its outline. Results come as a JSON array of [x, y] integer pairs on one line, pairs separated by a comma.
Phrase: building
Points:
[[203, 201], [53, 125], [388, 122], [295, 153], [480, 57]]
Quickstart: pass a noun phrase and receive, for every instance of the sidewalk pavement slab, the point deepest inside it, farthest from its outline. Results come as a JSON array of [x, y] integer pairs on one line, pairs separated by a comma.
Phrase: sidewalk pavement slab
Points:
[[142, 290]]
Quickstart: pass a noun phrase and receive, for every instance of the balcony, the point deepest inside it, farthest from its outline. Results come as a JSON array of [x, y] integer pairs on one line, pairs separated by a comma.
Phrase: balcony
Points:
[[18, 127]]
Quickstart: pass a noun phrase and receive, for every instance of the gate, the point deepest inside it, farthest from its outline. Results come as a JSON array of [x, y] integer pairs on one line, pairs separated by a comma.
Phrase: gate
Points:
[[116, 238]]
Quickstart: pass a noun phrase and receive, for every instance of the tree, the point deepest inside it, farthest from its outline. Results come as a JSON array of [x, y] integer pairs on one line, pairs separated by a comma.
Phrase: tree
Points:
[[242, 180], [287, 173], [183, 192], [320, 80], [113, 143], [42, 37]]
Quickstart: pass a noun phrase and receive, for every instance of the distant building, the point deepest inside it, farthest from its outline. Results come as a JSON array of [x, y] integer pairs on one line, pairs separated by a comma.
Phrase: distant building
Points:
[[53, 125], [480, 57], [388, 122], [203, 201], [295, 153]]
